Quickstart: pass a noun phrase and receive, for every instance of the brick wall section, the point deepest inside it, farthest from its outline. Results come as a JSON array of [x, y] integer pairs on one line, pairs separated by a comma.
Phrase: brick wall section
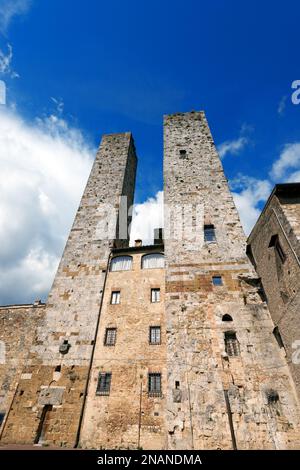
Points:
[[281, 280], [73, 305], [194, 311], [18, 325], [115, 421]]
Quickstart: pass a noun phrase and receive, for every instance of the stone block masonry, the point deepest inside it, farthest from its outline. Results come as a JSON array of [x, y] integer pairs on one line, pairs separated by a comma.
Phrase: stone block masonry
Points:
[[18, 324], [243, 400], [274, 244], [61, 352]]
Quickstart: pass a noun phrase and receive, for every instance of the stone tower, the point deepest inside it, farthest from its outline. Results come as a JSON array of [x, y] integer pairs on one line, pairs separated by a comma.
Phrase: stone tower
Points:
[[228, 382], [53, 384]]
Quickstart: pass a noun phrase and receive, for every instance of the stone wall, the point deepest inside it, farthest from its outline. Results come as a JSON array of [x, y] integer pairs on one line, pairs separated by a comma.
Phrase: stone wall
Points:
[[281, 280], [245, 401], [73, 306], [18, 324], [128, 417]]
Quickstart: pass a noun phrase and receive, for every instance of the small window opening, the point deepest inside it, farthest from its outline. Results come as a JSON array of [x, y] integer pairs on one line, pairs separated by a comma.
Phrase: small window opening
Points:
[[154, 335], [57, 368], [227, 317], [231, 344], [110, 336], [104, 381], [209, 233], [177, 384], [155, 295], [115, 297], [217, 280], [182, 153], [274, 242], [272, 397], [154, 384]]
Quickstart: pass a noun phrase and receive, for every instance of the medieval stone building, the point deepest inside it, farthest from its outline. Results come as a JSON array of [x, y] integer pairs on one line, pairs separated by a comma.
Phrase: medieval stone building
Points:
[[274, 248], [168, 346]]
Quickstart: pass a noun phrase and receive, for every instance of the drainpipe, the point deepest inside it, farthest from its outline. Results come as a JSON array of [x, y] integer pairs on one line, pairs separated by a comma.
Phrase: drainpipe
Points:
[[229, 414], [140, 414]]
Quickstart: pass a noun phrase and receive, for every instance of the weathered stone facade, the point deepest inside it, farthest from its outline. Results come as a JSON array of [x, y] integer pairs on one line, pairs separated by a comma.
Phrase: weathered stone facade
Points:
[[215, 379], [72, 309], [279, 267], [128, 417], [18, 325], [225, 399]]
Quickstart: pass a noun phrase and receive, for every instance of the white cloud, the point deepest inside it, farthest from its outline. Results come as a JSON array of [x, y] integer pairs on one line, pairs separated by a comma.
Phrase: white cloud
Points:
[[44, 167], [251, 193], [9, 9], [2, 93], [5, 63], [235, 146], [146, 217], [282, 105], [288, 160]]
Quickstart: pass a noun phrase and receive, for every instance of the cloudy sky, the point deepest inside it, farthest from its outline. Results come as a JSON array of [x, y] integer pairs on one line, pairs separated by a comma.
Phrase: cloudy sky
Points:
[[72, 70]]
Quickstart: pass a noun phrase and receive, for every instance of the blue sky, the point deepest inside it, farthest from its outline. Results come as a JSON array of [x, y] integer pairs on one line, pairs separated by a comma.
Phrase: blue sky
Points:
[[120, 65]]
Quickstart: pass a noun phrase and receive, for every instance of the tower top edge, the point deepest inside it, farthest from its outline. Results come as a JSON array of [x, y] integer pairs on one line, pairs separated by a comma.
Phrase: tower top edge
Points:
[[187, 115]]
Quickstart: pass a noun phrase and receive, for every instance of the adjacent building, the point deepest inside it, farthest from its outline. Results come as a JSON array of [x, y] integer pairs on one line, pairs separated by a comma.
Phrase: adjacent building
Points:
[[274, 248]]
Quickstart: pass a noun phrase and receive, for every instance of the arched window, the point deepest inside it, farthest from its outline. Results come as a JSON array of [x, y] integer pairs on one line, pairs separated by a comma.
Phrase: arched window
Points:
[[121, 263], [227, 317], [154, 260]]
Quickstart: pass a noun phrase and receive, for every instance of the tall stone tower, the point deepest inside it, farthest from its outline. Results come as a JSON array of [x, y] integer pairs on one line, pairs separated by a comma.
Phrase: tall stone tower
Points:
[[228, 384], [53, 384]]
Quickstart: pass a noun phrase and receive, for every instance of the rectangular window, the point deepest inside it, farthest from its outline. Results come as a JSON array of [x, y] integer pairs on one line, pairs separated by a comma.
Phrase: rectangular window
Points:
[[154, 385], [110, 336], [209, 233], [154, 335], [155, 295], [232, 346], [217, 280], [103, 386], [115, 297]]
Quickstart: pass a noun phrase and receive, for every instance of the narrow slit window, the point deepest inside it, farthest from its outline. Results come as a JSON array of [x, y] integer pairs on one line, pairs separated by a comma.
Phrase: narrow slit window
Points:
[[110, 336], [209, 233], [154, 385], [182, 153], [154, 335], [274, 242], [232, 346], [155, 295], [104, 381], [278, 338], [115, 297]]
